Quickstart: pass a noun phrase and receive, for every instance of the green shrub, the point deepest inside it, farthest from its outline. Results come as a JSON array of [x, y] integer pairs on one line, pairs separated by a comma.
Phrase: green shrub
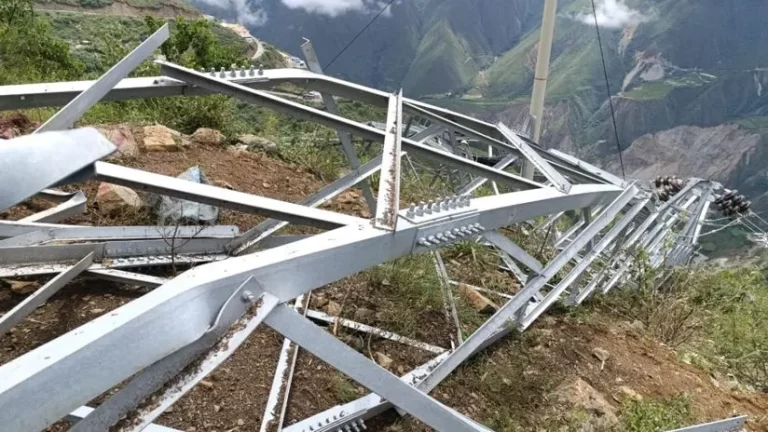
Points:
[[650, 415]]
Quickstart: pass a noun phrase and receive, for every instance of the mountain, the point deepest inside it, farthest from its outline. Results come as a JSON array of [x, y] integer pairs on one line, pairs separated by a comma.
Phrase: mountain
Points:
[[670, 63]]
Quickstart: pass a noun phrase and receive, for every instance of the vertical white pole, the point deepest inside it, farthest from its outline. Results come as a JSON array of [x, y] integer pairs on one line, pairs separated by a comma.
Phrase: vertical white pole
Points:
[[541, 75]]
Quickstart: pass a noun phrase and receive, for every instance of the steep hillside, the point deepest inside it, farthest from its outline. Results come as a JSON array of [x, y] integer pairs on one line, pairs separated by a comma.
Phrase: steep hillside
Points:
[[160, 8]]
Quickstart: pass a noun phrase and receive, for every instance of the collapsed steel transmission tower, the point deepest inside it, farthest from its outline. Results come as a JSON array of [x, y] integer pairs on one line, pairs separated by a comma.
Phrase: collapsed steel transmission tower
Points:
[[165, 342]]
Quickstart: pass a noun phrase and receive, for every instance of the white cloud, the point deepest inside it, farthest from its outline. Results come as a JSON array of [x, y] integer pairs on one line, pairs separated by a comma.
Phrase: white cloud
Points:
[[334, 8], [613, 14], [248, 13]]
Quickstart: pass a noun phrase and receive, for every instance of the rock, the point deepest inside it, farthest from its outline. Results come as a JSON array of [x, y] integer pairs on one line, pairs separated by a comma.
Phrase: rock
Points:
[[383, 360], [240, 422], [207, 136], [481, 303], [223, 184], [257, 143], [122, 137], [23, 287], [601, 354], [320, 302], [206, 384], [97, 311], [629, 393], [350, 197], [637, 325], [239, 148], [715, 383], [159, 138], [216, 408], [577, 393], [114, 199], [363, 314], [334, 308]]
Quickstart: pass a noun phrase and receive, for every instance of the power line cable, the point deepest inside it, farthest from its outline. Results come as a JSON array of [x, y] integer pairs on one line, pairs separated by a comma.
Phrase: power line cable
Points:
[[360, 33], [608, 89]]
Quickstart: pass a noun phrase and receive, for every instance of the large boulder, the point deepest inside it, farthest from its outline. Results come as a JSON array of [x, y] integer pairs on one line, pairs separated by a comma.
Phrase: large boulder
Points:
[[158, 138], [114, 199], [208, 137], [257, 143], [122, 137]]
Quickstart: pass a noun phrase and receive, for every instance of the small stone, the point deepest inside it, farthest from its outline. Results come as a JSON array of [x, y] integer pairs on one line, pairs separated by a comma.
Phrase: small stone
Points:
[[266, 185], [122, 137], [223, 184], [363, 314], [208, 136], [383, 360], [637, 325], [114, 199], [628, 392], [159, 138], [97, 311], [23, 287], [257, 143], [334, 308], [714, 382], [217, 408], [206, 384], [480, 302], [320, 302], [238, 148], [601, 354], [240, 422]]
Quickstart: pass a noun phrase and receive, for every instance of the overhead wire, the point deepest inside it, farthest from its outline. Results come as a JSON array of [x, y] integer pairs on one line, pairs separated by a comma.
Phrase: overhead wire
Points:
[[360, 33], [608, 89]]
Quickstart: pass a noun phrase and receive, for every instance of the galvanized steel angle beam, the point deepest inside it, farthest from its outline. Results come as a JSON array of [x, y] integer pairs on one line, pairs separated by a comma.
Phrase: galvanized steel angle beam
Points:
[[554, 176], [39, 297], [45, 234], [251, 238], [358, 367], [346, 139], [75, 109], [388, 203], [300, 111], [75, 205], [221, 197], [32, 163], [237, 319], [734, 424]]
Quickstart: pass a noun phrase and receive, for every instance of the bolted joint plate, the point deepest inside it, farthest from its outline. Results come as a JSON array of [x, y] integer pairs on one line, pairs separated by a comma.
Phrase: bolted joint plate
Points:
[[447, 231], [434, 211]]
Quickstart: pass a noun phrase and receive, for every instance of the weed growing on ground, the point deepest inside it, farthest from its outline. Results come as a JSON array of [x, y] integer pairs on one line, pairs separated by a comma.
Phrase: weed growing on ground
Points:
[[649, 415], [718, 315]]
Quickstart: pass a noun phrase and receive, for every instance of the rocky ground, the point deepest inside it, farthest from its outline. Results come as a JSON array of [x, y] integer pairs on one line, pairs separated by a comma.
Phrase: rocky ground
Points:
[[591, 363]]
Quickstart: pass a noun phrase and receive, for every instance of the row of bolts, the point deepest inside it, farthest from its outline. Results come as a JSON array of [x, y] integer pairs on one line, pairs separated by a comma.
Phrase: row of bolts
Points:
[[357, 425], [431, 207], [451, 235], [233, 73]]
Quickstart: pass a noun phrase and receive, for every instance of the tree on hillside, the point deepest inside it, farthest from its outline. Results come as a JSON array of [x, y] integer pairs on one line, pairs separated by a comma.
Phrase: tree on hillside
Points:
[[28, 51], [193, 44]]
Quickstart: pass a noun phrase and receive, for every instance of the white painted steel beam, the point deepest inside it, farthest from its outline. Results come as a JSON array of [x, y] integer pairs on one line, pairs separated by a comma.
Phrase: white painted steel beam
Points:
[[388, 203]]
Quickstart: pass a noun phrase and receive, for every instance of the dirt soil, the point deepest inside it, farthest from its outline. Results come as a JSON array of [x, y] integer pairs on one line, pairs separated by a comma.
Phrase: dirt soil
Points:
[[517, 374]]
